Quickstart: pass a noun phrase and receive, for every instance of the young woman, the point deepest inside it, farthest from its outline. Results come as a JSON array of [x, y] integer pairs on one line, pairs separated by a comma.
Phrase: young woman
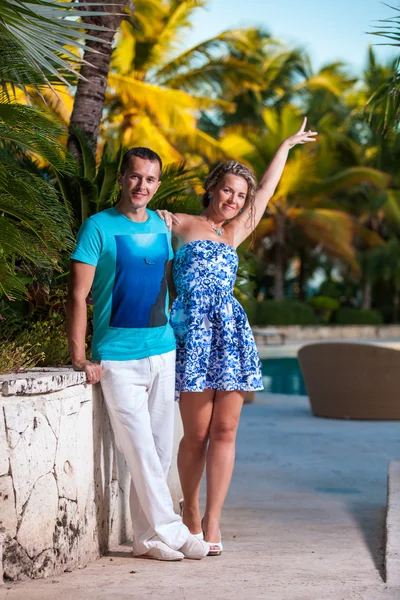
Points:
[[217, 359]]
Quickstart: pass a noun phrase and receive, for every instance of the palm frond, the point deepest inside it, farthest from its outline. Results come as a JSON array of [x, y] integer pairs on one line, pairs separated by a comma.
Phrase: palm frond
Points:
[[265, 228], [88, 162], [33, 131], [139, 129], [351, 177], [333, 230], [39, 32], [35, 226], [106, 178], [392, 209], [166, 102], [198, 143], [384, 102], [177, 192], [219, 75]]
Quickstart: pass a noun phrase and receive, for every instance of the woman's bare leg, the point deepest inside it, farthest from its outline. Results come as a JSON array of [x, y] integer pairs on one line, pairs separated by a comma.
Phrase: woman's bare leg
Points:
[[220, 457], [196, 410]]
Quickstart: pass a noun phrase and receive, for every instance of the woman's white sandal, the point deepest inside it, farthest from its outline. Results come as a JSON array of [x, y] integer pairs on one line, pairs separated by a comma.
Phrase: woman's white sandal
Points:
[[216, 547]]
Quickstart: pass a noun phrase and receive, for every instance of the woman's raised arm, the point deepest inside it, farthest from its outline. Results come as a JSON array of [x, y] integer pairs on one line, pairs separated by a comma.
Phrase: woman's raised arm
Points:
[[243, 225]]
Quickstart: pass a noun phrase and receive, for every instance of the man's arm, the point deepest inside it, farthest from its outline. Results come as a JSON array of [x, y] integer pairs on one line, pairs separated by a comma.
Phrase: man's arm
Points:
[[80, 282]]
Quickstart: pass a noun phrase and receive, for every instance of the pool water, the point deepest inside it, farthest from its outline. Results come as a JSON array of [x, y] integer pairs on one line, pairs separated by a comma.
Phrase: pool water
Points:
[[283, 376]]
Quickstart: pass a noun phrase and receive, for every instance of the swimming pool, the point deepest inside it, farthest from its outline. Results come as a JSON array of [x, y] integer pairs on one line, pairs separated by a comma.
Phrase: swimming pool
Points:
[[283, 376]]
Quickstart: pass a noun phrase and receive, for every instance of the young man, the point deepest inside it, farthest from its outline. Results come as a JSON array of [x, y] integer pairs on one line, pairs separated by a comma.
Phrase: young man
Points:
[[122, 254]]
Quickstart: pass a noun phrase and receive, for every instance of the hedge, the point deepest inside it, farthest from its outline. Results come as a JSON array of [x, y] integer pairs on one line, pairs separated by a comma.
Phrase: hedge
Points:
[[357, 316], [285, 312]]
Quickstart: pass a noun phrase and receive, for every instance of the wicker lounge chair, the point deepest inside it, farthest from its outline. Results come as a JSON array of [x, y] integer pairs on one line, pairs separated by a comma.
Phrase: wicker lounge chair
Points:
[[352, 381]]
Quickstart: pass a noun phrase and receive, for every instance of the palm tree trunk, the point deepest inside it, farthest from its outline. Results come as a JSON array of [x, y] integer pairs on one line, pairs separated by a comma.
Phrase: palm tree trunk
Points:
[[90, 93], [396, 303], [302, 275], [366, 295], [279, 291]]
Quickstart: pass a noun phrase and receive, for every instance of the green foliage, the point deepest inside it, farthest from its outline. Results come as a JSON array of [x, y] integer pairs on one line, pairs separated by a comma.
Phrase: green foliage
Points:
[[90, 190], [356, 316], [324, 307], [344, 291], [285, 312], [177, 191], [38, 39], [30, 130], [35, 225], [40, 344], [94, 189], [34, 228], [36, 339], [384, 103], [250, 307], [15, 357]]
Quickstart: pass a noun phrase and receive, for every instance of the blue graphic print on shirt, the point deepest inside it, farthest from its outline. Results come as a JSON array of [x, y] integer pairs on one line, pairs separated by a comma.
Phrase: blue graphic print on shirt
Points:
[[140, 281]]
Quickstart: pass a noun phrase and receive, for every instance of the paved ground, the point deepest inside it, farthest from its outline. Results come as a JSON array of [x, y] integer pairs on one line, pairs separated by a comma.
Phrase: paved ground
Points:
[[304, 520]]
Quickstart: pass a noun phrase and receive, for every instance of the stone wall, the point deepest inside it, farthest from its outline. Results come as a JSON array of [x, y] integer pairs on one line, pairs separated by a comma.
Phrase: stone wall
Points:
[[64, 488]]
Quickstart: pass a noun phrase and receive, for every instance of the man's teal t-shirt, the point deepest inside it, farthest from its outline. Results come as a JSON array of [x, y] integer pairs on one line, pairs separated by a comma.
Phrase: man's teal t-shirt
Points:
[[130, 293]]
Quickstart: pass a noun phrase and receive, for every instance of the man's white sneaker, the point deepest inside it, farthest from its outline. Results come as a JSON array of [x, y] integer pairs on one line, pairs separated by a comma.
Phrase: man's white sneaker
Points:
[[161, 551], [195, 548]]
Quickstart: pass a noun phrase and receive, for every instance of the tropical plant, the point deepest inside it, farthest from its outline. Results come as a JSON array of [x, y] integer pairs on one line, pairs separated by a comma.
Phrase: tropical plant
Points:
[[157, 94], [384, 101], [94, 187], [384, 267], [35, 225], [90, 93], [39, 40], [303, 200]]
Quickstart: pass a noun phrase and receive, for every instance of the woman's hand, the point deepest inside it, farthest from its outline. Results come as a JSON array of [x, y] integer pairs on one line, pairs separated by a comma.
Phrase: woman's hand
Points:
[[169, 218], [301, 136]]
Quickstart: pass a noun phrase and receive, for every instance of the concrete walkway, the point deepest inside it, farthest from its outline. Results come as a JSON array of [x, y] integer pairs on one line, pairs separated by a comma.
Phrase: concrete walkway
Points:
[[304, 520]]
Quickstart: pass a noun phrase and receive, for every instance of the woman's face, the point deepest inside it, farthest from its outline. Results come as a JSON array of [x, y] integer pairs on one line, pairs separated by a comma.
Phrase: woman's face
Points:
[[229, 195]]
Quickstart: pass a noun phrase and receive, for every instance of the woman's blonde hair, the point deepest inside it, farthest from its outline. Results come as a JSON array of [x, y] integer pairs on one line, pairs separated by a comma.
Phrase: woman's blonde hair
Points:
[[231, 167]]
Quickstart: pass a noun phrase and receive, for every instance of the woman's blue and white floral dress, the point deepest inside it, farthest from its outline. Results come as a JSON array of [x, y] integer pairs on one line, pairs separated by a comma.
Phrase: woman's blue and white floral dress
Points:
[[215, 344]]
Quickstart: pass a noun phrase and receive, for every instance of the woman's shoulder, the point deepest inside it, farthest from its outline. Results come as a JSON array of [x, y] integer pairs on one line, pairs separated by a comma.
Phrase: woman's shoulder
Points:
[[185, 216], [185, 221]]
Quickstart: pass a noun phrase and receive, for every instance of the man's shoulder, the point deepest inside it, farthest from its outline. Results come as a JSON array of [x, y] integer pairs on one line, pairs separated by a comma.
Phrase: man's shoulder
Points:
[[104, 216], [154, 217], [156, 222]]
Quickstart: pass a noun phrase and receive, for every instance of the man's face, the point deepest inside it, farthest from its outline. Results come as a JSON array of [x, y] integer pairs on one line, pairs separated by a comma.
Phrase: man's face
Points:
[[139, 183]]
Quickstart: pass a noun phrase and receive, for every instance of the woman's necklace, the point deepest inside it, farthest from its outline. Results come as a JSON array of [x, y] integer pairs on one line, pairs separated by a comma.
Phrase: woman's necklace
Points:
[[217, 231]]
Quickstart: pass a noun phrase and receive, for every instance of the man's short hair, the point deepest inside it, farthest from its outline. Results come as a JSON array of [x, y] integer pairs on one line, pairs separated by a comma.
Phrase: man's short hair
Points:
[[140, 152]]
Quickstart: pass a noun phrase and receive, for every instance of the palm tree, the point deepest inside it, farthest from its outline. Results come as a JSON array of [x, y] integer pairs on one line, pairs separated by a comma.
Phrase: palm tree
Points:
[[157, 94], [303, 200], [376, 209], [35, 225], [383, 266], [384, 100], [89, 98], [39, 40]]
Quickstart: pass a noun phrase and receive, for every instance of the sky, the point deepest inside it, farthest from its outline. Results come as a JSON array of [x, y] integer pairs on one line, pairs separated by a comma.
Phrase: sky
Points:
[[329, 30]]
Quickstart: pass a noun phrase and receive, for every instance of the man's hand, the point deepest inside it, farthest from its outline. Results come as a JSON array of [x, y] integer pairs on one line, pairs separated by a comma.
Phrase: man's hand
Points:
[[93, 371]]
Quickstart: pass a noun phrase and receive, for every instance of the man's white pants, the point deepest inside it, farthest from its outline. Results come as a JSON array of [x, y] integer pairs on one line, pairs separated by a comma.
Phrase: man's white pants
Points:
[[139, 395]]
